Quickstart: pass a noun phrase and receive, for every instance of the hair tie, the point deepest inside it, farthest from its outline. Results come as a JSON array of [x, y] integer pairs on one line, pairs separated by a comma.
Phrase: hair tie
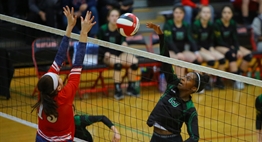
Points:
[[198, 76], [54, 78]]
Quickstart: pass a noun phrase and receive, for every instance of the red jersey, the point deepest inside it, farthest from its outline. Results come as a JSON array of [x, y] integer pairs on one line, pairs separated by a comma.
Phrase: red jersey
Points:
[[193, 4], [61, 128]]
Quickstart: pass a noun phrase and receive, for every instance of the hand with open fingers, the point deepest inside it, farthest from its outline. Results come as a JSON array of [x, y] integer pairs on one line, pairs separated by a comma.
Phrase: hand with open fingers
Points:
[[155, 27], [71, 18], [87, 23]]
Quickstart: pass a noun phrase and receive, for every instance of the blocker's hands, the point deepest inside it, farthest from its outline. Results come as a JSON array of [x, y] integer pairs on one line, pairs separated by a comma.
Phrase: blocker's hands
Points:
[[71, 18], [87, 23], [155, 27]]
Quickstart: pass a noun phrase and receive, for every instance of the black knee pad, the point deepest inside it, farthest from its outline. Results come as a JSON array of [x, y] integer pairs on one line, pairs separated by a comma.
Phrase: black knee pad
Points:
[[211, 63], [118, 66], [222, 61], [134, 67], [229, 56], [248, 57]]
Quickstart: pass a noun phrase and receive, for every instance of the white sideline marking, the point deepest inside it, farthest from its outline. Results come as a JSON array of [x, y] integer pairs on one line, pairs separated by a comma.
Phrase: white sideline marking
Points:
[[27, 123]]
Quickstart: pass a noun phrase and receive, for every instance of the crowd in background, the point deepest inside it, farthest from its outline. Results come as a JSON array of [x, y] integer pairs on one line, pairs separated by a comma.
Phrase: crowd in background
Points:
[[178, 31]]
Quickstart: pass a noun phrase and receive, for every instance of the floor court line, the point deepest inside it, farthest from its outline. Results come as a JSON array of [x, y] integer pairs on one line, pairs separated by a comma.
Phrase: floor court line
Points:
[[229, 136]]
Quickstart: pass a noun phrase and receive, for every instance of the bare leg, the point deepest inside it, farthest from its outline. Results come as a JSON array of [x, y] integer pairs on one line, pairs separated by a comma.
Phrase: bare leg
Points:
[[127, 60], [245, 10], [111, 60], [218, 56], [260, 6], [245, 64]]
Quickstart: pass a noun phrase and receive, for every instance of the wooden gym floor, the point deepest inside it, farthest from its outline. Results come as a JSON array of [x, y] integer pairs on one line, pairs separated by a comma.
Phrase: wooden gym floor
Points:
[[224, 115]]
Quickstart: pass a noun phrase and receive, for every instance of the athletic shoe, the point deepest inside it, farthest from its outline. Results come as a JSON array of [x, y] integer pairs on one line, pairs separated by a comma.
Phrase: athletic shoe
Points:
[[119, 95], [239, 85], [131, 91]]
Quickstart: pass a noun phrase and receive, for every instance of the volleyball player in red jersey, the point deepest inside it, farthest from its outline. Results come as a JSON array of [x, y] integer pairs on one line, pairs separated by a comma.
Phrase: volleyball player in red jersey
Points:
[[55, 113]]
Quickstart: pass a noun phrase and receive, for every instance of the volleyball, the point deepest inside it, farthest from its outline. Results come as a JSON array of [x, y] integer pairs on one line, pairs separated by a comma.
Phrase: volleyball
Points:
[[128, 24]]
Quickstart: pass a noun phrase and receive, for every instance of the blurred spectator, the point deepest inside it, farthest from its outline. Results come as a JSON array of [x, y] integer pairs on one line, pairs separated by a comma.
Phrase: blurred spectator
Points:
[[8, 7], [80, 7], [118, 59], [248, 9], [192, 7], [125, 6], [202, 30], [256, 26], [226, 42], [179, 40], [43, 12]]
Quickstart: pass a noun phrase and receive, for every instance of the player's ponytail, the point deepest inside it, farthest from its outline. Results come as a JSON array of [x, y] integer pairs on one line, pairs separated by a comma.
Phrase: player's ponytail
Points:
[[201, 81], [47, 94]]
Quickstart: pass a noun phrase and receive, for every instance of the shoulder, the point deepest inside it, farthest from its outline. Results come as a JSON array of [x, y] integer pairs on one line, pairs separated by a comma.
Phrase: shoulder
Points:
[[196, 23], [104, 27], [259, 98], [190, 105], [218, 22], [232, 22], [169, 22], [185, 24]]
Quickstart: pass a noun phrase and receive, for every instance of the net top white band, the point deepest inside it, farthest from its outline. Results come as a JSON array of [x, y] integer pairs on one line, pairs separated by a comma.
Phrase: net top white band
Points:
[[137, 52]]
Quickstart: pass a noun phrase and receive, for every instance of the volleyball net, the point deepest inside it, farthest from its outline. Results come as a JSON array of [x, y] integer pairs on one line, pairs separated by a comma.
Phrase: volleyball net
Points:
[[223, 114]]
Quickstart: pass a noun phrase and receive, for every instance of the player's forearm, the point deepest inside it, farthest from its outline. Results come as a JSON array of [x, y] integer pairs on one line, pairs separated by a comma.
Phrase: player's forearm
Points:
[[68, 31], [113, 128], [83, 37]]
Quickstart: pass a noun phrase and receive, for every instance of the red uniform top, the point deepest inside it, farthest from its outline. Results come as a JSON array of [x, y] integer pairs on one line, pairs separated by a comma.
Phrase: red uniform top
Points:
[[192, 4], [61, 128]]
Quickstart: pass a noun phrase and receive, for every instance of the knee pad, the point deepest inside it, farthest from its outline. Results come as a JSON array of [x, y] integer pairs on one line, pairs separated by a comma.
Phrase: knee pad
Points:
[[134, 67], [248, 57], [222, 61], [229, 56], [211, 63], [118, 66]]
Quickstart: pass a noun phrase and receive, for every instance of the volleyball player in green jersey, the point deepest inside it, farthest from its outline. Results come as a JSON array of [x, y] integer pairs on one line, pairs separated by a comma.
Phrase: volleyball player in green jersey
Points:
[[202, 30], [226, 42], [178, 35], [82, 121], [175, 106], [117, 59], [258, 105]]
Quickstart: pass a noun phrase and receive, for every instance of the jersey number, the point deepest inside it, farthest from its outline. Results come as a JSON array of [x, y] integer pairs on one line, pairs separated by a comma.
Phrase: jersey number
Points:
[[51, 118]]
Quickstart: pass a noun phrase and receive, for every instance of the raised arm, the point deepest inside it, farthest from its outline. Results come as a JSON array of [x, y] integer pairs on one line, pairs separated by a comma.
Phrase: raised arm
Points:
[[74, 76], [192, 126], [166, 68], [62, 51]]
